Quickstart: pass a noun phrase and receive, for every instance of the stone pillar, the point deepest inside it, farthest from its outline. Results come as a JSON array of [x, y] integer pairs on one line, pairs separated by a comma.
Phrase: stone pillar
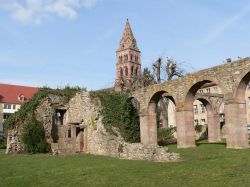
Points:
[[144, 128], [185, 129], [152, 129], [213, 128], [236, 121]]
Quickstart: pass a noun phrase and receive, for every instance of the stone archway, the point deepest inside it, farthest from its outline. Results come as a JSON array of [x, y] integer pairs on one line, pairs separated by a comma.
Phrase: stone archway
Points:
[[79, 139], [185, 116], [213, 121], [235, 115], [230, 77], [151, 115]]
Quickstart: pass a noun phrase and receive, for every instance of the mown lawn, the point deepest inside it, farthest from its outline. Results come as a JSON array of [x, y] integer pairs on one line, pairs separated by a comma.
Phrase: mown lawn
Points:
[[206, 165]]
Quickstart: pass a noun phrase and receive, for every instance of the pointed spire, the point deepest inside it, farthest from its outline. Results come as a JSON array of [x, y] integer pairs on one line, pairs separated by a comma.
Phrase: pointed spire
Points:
[[128, 40]]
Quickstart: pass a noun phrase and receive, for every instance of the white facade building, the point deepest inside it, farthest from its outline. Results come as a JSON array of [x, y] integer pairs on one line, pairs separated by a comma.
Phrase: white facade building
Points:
[[11, 99]]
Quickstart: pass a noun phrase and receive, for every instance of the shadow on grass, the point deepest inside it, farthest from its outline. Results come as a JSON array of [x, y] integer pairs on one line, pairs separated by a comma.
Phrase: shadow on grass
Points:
[[198, 143]]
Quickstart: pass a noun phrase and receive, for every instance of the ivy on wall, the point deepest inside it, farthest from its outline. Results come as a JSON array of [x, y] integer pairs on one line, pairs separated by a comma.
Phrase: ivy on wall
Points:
[[117, 111]]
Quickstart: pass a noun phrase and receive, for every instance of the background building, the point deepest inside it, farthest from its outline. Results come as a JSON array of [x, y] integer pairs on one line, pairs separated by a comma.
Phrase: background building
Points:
[[11, 99], [200, 112]]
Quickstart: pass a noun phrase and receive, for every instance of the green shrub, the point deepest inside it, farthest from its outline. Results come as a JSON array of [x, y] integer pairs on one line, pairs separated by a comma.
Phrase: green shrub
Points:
[[198, 128], [165, 136], [33, 136], [202, 130], [2, 144], [118, 111]]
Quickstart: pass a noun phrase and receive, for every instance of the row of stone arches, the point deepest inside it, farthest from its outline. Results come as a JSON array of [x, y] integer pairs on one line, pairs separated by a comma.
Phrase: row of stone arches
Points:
[[235, 114]]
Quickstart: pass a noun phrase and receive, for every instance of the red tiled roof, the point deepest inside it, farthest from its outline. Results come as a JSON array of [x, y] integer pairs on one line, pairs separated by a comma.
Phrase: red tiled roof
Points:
[[10, 93]]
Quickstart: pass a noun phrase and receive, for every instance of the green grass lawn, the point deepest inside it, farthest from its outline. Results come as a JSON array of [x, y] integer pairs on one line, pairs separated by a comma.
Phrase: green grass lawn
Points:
[[206, 165]]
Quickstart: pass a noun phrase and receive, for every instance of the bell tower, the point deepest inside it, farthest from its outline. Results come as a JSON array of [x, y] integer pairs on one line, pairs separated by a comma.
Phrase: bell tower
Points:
[[128, 60]]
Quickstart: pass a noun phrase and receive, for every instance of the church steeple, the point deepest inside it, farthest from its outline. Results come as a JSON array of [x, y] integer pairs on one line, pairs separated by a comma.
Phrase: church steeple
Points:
[[128, 65], [128, 40]]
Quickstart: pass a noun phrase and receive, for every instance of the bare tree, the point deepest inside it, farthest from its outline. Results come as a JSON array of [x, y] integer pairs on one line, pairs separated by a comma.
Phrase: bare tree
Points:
[[157, 69], [170, 68], [173, 69]]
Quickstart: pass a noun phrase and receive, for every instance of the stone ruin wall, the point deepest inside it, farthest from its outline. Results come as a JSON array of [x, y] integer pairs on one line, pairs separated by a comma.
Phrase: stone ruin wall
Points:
[[44, 114], [84, 110]]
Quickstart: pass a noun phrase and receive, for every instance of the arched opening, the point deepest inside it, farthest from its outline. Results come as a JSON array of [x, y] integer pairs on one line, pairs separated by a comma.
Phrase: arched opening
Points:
[[242, 88], [186, 115], [121, 73], [79, 139], [236, 115], [200, 119], [222, 120], [161, 118], [136, 71], [126, 58], [132, 71], [126, 71], [247, 98], [207, 121]]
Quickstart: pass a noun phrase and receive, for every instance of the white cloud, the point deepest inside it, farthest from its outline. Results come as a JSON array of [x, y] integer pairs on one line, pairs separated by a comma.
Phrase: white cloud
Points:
[[212, 36], [36, 11]]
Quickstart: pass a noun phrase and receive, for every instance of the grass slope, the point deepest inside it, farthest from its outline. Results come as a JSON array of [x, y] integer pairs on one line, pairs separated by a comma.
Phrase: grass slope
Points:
[[206, 165]]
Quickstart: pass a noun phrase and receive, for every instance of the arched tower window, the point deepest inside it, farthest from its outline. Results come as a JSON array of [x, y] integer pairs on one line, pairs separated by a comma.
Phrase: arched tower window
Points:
[[121, 73], [136, 72], [131, 57], [126, 71], [132, 70]]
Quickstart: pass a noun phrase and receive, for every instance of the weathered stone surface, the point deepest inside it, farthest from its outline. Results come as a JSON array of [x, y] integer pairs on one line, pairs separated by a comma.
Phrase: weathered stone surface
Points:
[[82, 130], [138, 151], [232, 78], [14, 141], [45, 113]]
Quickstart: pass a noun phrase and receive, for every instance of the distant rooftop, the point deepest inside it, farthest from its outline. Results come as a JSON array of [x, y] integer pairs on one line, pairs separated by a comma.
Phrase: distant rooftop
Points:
[[16, 94]]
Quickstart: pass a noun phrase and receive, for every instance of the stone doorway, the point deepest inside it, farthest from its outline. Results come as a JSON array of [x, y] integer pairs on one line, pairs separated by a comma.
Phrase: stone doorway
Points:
[[79, 139]]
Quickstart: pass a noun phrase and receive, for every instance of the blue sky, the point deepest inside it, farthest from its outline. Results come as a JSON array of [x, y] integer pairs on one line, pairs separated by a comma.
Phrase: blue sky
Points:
[[73, 42]]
